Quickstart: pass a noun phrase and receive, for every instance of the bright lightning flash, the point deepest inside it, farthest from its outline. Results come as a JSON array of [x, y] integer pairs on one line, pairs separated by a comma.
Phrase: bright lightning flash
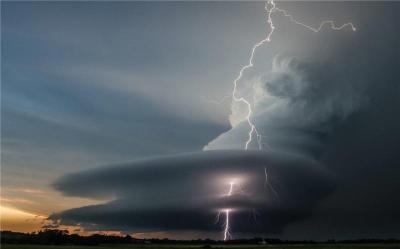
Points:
[[227, 211]]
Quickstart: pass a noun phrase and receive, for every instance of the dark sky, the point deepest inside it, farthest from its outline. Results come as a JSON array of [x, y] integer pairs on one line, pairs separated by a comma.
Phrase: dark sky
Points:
[[112, 102]]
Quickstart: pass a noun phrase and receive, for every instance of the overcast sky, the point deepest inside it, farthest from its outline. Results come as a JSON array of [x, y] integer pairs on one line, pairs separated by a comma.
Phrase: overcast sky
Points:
[[124, 94]]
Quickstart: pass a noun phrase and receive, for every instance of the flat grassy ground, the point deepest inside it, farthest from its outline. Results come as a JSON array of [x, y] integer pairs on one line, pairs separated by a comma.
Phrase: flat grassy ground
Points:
[[297, 246]]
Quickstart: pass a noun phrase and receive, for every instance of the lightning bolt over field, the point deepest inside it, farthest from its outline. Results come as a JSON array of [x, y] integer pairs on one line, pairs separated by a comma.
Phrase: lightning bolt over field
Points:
[[227, 211], [270, 8]]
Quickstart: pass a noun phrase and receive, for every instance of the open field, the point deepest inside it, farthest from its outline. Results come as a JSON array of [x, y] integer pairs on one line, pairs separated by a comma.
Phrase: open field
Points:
[[294, 246]]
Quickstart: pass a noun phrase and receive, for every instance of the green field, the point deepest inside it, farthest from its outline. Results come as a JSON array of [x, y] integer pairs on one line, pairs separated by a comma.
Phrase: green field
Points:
[[315, 246]]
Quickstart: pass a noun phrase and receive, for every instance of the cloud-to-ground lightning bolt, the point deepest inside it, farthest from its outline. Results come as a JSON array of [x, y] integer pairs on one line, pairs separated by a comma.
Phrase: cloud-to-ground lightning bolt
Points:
[[270, 8], [227, 211]]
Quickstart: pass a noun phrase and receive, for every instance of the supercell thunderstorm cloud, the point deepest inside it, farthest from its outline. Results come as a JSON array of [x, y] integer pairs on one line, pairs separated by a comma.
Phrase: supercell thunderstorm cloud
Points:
[[314, 121]]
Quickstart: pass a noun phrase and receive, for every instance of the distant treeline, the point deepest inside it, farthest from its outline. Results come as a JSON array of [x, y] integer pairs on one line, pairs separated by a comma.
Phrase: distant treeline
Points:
[[62, 237]]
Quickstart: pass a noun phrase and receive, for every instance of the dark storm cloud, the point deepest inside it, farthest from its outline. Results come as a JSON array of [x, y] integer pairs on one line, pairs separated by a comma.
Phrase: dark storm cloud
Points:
[[335, 98], [185, 192]]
